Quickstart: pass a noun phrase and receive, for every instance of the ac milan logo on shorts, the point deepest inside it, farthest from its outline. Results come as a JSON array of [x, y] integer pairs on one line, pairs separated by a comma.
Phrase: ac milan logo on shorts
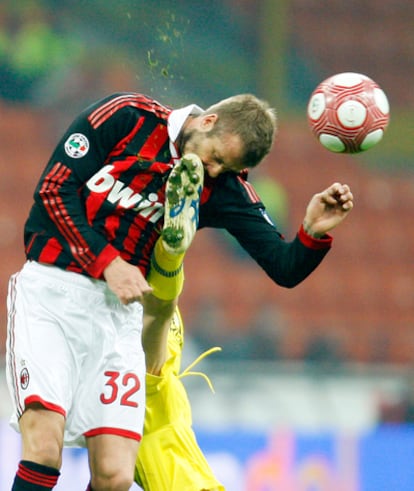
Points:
[[24, 378]]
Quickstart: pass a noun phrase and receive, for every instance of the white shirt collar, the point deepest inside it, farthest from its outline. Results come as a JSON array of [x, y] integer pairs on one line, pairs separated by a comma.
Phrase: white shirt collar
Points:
[[177, 118]]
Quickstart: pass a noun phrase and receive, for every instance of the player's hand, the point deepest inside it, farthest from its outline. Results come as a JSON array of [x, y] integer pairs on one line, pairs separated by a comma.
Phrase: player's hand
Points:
[[327, 209], [126, 281]]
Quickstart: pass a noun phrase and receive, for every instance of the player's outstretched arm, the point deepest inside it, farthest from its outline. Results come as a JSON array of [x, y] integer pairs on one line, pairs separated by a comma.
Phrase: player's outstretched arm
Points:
[[327, 209]]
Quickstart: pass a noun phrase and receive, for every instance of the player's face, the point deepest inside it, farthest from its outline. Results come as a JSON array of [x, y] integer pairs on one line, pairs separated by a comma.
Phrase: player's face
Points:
[[218, 152]]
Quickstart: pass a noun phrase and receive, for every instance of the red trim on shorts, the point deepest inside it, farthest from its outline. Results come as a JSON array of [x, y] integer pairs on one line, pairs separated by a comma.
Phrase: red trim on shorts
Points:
[[47, 405], [106, 430]]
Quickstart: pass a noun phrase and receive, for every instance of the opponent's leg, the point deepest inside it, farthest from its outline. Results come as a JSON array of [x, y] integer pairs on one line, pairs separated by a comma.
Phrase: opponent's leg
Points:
[[157, 319], [183, 191], [166, 275], [42, 442], [169, 458]]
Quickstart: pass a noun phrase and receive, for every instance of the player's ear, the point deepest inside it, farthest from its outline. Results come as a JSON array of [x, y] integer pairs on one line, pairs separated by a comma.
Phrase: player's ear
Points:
[[208, 121]]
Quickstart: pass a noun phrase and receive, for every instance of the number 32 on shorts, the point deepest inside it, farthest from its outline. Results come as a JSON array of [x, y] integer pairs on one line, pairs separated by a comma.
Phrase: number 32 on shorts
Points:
[[125, 388]]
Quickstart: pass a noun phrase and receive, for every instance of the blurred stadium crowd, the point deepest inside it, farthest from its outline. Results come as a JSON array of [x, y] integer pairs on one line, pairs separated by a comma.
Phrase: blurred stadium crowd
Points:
[[56, 56]]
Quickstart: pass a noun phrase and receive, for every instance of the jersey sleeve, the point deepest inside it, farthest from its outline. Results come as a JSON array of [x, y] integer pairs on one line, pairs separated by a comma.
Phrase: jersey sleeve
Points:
[[234, 206], [59, 210]]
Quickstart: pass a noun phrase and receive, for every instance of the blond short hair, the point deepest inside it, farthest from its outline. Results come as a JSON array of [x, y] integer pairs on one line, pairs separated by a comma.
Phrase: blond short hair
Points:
[[252, 119]]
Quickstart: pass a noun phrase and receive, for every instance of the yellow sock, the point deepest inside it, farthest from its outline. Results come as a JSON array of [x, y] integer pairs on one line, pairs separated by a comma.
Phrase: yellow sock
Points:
[[166, 275]]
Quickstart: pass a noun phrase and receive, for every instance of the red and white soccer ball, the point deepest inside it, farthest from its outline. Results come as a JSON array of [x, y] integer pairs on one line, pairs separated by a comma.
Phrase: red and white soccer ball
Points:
[[348, 113]]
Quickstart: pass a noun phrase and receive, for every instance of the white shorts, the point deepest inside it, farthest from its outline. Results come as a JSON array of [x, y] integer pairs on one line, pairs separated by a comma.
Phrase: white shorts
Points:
[[76, 349]]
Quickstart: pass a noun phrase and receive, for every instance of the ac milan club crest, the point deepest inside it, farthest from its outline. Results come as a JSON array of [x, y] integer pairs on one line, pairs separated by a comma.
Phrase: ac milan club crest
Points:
[[24, 378]]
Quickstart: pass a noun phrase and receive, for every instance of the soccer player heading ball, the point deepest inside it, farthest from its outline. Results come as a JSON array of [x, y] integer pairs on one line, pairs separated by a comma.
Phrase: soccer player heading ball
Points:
[[99, 278]]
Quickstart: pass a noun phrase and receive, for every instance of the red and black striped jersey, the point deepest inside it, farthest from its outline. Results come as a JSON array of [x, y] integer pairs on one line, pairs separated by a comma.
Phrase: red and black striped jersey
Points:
[[102, 195], [102, 192]]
